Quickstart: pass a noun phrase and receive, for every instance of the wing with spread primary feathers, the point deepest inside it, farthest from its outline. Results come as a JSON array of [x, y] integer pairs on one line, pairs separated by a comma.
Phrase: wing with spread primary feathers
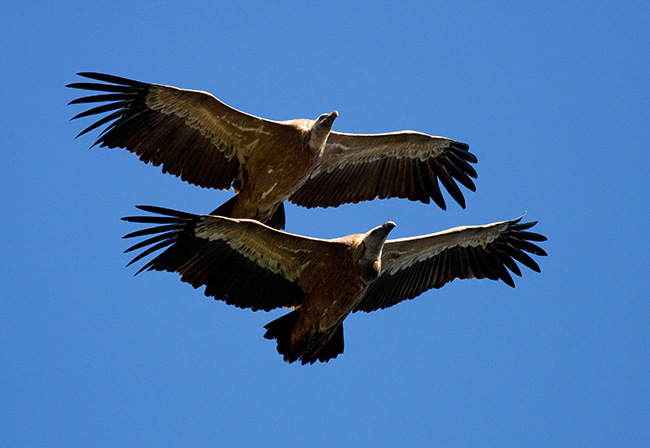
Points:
[[190, 133], [404, 164], [239, 261], [411, 266]]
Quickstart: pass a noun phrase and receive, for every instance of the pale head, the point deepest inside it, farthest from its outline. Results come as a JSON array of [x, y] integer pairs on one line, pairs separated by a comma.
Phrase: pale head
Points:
[[372, 244], [321, 129]]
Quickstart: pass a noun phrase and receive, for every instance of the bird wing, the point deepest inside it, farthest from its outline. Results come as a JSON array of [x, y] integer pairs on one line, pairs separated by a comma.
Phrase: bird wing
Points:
[[404, 164], [411, 266], [239, 261], [190, 133]]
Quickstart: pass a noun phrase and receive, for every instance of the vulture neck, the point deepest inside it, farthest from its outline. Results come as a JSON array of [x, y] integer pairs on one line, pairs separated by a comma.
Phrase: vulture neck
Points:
[[321, 130], [369, 263]]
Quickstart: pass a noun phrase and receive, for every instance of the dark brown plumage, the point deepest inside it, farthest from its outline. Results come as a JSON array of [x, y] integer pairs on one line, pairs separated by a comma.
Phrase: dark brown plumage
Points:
[[251, 265], [195, 136]]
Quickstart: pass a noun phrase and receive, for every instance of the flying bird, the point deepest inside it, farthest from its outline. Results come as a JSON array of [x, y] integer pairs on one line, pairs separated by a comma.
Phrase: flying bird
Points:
[[251, 265], [205, 142]]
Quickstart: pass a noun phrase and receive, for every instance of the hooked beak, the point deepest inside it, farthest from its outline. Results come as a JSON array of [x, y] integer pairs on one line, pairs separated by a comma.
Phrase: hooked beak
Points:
[[374, 240]]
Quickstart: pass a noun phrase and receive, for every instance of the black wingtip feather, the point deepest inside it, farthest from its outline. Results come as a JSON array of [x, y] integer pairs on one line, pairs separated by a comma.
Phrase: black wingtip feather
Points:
[[522, 257], [101, 109], [531, 236], [165, 211], [150, 250], [95, 86], [113, 79], [151, 230], [153, 239], [98, 123], [150, 219], [463, 151]]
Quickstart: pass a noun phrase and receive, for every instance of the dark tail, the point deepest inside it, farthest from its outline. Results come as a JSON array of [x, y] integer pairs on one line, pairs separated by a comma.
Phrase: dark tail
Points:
[[280, 330], [277, 221], [225, 209], [312, 348]]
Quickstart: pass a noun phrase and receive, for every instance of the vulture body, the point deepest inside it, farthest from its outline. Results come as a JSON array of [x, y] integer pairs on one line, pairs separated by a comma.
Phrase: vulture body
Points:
[[251, 265], [205, 142]]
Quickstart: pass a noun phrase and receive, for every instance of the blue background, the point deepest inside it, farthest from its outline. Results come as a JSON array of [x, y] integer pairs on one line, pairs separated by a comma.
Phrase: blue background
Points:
[[553, 98]]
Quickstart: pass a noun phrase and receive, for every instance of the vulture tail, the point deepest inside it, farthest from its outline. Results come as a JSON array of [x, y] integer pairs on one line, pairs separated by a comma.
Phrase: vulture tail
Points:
[[280, 329], [328, 345], [225, 209], [277, 221]]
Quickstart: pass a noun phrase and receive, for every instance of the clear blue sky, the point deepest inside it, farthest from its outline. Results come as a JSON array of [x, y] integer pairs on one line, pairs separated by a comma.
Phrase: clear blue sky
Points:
[[552, 97]]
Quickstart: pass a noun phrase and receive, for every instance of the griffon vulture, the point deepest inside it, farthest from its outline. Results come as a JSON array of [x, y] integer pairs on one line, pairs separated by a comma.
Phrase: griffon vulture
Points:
[[250, 265], [205, 142]]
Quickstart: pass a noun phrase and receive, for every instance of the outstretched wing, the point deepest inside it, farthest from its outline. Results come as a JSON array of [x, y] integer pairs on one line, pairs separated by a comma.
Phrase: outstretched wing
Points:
[[241, 262], [404, 164], [411, 266], [191, 134]]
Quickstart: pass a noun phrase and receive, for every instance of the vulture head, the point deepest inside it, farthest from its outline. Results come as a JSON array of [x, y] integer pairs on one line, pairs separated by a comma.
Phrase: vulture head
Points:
[[369, 262], [321, 129]]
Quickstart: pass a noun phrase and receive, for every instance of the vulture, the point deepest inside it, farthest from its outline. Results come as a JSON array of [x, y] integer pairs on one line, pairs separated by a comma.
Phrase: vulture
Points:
[[251, 265], [205, 142]]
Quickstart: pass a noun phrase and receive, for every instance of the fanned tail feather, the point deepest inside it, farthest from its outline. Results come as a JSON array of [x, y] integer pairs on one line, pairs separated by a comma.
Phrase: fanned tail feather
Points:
[[277, 221], [326, 347]]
